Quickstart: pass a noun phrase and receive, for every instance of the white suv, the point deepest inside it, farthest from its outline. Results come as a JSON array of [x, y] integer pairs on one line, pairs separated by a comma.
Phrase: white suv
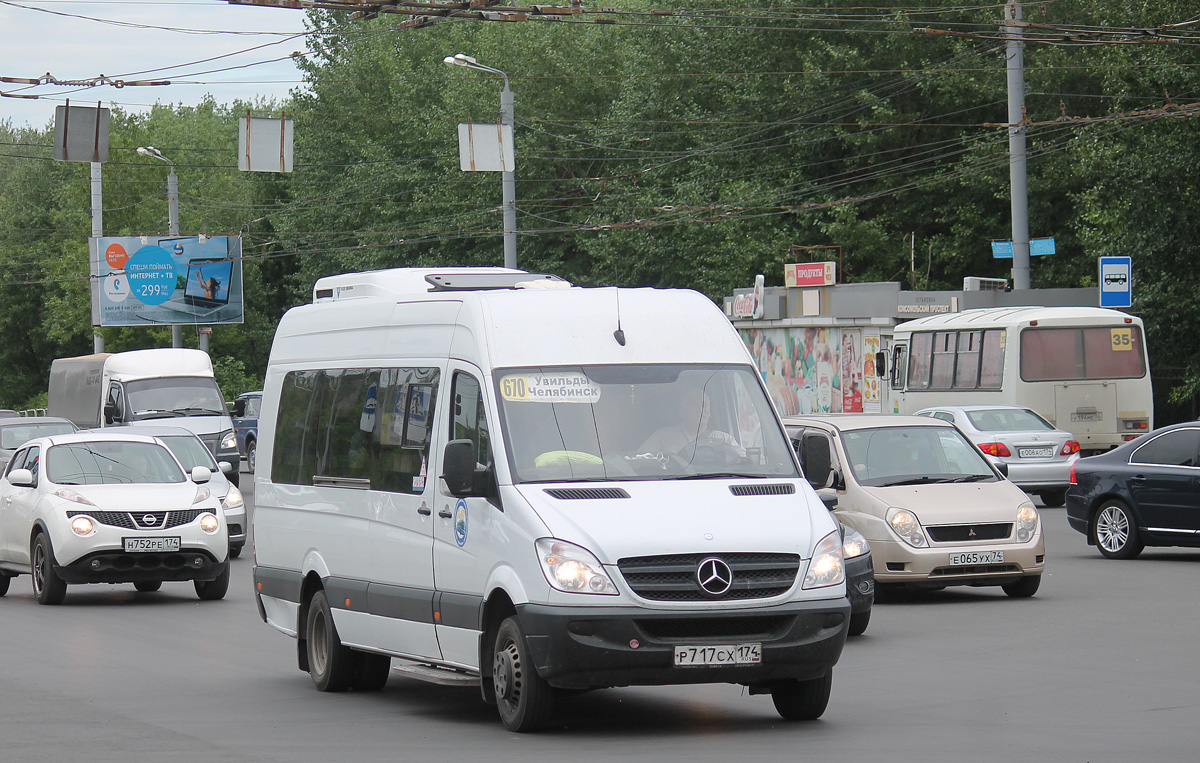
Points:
[[96, 507]]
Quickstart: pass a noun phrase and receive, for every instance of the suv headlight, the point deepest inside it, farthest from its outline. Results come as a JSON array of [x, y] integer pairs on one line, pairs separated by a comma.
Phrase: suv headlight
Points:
[[233, 499], [572, 568], [826, 567], [1027, 521], [229, 440], [853, 543], [905, 524]]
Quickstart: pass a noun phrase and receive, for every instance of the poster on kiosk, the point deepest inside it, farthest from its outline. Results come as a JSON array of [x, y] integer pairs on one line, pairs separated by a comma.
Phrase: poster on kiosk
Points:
[[146, 280]]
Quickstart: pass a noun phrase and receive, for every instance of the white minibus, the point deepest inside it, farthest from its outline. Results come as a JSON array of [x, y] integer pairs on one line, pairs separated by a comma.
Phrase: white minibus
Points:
[[1082, 368], [490, 477]]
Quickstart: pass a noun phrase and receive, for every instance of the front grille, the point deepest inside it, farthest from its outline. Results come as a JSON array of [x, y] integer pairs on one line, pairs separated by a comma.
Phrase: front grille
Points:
[[781, 489], [136, 520], [683, 628], [968, 533], [673, 577], [584, 493], [977, 569]]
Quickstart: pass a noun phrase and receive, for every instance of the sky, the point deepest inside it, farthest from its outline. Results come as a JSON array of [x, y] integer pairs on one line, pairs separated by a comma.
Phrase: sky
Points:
[[78, 40]]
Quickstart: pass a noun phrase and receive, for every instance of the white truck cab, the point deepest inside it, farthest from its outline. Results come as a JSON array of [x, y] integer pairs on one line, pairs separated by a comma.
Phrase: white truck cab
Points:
[[498, 478]]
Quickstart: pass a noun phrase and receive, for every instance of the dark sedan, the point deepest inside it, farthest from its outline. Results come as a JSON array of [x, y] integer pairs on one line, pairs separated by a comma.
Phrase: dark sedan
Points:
[[1143, 493]]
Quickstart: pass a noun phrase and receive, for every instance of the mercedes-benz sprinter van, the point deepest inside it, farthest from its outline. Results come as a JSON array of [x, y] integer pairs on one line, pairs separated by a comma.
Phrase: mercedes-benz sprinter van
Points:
[[491, 477]]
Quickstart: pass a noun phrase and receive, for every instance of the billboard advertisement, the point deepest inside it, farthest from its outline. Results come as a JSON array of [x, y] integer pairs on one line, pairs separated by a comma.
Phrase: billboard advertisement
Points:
[[147, 280]]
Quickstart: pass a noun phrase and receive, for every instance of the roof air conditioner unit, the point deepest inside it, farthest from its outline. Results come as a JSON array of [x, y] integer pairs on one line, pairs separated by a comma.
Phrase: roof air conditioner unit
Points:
[[978, 283]]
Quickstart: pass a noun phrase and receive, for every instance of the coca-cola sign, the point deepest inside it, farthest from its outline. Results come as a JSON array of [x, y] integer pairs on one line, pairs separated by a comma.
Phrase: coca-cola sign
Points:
[[750, 304]]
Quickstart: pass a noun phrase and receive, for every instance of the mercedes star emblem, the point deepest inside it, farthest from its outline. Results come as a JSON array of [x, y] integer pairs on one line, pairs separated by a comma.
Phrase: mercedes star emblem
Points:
[[714, 576]]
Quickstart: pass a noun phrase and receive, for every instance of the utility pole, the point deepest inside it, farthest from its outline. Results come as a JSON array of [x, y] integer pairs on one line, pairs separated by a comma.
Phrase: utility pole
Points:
[[97, 232], [1018, 182]]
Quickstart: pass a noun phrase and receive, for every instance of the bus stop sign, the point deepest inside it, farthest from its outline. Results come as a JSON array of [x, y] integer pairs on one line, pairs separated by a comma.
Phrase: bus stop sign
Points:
[[1115, 282]]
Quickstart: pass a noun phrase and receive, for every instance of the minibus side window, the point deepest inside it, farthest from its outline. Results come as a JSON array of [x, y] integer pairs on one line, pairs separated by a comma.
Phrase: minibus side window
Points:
[[292, 432], [991, 373], [470, 419]]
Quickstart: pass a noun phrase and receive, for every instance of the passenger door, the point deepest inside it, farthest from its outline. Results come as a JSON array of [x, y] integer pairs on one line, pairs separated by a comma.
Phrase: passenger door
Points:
[[1164, 481], [18, 506], [468, 535]]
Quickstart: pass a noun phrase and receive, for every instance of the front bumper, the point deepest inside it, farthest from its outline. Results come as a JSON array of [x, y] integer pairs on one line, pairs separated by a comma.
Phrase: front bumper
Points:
[[592, 647], [236, 520], [860, 583], [897, 562], [119, 567]]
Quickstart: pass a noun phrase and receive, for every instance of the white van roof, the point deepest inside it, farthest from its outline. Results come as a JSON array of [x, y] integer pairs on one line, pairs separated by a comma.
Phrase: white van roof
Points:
[[511, 327], [163, 361], [406, 281]]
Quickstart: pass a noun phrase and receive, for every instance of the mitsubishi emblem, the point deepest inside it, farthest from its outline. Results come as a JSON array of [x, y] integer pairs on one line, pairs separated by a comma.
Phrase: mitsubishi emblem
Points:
[[714, 576], [971, 533]]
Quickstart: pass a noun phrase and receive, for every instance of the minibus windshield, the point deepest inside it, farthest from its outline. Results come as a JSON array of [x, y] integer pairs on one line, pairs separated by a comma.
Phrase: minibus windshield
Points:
[[602, 423]]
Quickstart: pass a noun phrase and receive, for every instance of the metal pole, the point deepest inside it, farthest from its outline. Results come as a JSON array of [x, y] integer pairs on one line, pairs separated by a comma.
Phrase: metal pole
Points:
[[97, 232], [173, 229], [1019, 188], [509, 182]]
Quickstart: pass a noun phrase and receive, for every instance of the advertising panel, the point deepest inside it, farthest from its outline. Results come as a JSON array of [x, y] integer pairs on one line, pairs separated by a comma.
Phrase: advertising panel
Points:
[[145, 280]]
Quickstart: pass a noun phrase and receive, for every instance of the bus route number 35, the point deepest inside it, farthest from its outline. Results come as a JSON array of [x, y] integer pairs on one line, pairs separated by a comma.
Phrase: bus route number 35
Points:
[[1122, 339]]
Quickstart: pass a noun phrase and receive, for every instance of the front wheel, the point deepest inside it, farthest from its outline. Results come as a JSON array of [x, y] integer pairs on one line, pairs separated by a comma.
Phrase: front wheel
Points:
[[524, 699], [1054, 498], [803, 700], [1023, 588], [48, 587], [211, 590], [330, 664], [251, 453], [858, 622], [1115, 531], [235, 551], [4, 580], [148, 586]]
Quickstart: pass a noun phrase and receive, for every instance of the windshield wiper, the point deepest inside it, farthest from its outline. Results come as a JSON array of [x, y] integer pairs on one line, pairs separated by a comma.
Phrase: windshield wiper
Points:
[[914, 481], [972, 478], [156, 413], [716, 476], [185, 411]]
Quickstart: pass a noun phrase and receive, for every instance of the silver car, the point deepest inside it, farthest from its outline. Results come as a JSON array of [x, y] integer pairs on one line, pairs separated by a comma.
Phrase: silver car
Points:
[[1039, 456]]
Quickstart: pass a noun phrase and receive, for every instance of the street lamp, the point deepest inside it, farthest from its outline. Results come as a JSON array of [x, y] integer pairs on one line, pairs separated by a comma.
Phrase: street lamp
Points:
[[172, 189], [172, 221], [507, 177]]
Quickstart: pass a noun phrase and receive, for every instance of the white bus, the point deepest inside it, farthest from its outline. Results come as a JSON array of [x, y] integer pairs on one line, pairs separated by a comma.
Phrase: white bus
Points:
[[1083, 368]]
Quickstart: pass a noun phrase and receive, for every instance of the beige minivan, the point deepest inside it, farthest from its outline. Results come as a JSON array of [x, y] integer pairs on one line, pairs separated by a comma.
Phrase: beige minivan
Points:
[[934, 509]]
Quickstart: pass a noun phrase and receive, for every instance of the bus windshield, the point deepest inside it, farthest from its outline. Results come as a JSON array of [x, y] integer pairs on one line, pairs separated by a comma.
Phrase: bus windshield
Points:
[[601, 423]]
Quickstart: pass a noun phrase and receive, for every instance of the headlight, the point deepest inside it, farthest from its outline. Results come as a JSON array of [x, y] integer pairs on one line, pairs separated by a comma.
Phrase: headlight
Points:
[[68, 494], [826, 567], [82, 526], [905, 524], [202, 494], [853, 543], [233, 499], [572, 568], [1027, 520], [209, 523], [229, 441]]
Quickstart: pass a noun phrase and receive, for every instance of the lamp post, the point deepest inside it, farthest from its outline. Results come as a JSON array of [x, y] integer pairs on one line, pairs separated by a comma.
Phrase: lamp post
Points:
[[172, 219], [507, 178]]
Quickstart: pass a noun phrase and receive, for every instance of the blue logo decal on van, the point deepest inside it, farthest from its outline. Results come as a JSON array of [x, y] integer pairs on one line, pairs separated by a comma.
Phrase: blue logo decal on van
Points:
[[460, 523]]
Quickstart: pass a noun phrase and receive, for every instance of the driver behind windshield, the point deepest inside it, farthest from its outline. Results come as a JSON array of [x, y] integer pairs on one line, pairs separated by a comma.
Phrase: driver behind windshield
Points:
[[691, 429]]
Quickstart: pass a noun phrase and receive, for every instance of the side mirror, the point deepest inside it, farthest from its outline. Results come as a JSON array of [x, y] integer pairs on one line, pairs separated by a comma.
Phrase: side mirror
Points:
[[463, 476], [21, 478], [828, 497], [225, 467], [201, 474], [237, 408], [110, 413], [881, 365], [815, 459]]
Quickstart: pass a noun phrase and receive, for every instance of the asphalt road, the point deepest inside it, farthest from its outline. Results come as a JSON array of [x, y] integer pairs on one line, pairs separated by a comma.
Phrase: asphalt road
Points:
[[1100, 666]]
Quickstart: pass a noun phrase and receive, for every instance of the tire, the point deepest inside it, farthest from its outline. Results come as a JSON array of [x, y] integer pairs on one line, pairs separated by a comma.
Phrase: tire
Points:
[[212, 590], [251, 453], [858, 622], [1115, 532], [1023, 588], [371, 671], [148, 586], [235, 551], [48, 587], [525, 701], [4, 581], [803, 700], [330, 664], [1054, 498]]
